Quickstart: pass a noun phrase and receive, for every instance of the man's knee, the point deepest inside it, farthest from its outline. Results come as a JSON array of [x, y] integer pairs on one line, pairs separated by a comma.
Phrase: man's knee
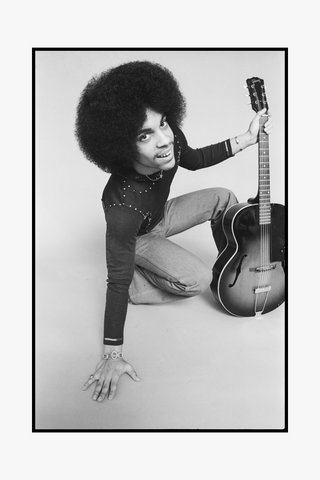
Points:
[[232, 199], [226, 196], [225, 199]]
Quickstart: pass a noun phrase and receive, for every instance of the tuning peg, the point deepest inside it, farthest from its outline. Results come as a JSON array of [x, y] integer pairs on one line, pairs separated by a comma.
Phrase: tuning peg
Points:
[[249, 103], [245, 86]]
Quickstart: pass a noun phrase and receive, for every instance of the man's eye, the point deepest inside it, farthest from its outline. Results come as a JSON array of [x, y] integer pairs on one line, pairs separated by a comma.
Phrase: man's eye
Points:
[[144, 137], [164, 123]]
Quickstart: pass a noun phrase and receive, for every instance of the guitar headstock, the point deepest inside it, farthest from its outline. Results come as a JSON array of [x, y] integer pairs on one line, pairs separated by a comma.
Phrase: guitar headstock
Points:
[[257, 93]]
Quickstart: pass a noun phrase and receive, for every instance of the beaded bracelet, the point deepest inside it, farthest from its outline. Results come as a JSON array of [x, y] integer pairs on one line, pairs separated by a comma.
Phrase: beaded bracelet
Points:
[[114, 355]]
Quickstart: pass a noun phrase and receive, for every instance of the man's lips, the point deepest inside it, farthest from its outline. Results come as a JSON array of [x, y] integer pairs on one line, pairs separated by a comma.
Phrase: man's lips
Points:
[[165, 154]]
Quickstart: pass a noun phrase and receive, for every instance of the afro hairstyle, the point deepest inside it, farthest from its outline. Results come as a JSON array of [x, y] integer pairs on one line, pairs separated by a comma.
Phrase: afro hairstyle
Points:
[[112, 109]]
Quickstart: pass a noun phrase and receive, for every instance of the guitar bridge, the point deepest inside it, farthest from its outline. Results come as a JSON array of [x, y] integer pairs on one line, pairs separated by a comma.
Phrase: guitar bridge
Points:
[[262, 289], [264, 268]]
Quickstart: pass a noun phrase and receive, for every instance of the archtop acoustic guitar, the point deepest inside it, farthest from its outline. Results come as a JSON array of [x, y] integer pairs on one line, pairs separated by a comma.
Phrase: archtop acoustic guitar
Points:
[[249, 274]]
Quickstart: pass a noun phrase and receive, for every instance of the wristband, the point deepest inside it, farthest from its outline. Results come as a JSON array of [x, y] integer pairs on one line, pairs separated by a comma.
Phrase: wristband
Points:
[[114, 355]]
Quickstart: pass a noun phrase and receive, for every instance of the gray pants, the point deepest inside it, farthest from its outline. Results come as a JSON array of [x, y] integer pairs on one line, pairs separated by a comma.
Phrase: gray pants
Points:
[[165, 271]]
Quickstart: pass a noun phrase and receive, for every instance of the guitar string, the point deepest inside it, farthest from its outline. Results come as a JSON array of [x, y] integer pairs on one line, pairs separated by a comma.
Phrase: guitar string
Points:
[[263, 214], [260, 216], [265, 217]]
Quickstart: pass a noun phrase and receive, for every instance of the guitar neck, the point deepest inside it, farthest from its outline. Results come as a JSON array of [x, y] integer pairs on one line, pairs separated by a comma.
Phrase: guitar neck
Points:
[[264, 175]]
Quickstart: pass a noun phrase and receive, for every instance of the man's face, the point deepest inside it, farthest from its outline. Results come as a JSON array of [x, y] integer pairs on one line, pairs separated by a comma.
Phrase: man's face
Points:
[[155, 145]]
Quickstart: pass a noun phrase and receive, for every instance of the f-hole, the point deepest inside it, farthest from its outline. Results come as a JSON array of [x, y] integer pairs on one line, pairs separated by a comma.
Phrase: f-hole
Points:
[[238, 271]]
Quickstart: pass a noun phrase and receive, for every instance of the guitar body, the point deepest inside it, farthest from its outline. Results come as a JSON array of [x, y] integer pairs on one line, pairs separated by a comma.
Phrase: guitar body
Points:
[[249, 276]]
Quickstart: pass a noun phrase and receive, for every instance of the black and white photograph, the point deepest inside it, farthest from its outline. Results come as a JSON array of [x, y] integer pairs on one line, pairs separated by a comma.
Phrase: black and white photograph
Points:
[[161, 232]]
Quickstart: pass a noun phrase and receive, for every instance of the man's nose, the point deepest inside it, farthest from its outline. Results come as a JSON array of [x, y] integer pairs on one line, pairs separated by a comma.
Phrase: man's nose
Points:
[[163, 139]]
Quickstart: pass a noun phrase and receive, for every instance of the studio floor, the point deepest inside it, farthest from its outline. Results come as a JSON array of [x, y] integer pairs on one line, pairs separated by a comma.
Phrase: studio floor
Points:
[[200, 368]]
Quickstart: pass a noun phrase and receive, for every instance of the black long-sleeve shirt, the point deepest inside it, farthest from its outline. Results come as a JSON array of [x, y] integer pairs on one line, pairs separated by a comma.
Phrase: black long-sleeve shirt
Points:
[[134, 205]]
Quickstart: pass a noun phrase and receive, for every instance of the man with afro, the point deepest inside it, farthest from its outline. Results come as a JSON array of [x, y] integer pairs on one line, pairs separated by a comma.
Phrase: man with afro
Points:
[[129, 124]]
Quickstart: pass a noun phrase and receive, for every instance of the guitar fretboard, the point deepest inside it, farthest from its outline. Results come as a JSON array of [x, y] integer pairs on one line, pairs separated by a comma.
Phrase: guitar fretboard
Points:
[[264, 175]]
